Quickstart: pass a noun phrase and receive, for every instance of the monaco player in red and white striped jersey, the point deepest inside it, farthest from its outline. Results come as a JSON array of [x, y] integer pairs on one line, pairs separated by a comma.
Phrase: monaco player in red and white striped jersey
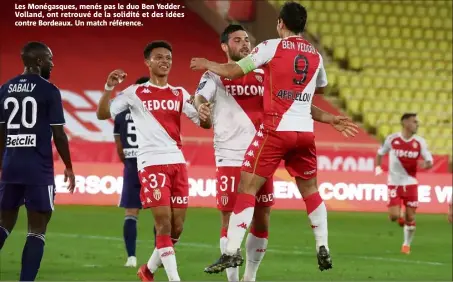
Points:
[[156, 109], [293, 69], [405, 149]]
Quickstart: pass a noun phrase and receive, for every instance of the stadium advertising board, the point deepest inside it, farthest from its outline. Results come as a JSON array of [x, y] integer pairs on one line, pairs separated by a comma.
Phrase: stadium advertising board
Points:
[[101, 184]]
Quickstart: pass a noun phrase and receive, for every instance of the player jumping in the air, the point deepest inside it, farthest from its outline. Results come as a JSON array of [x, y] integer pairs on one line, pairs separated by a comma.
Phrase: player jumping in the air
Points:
[[126, 147], [293, 70], [404, 148], [156, 109], [31, 113], [237, 114]]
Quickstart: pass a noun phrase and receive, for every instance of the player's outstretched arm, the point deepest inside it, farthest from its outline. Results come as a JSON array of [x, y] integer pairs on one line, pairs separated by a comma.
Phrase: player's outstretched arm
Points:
[[61, 143], [114, 78], [119, 147], [228, 70], [342, 124], [2, 142]]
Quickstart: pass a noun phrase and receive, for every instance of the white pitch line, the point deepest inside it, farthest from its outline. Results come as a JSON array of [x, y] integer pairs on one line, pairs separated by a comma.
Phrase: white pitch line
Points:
[[208, 246]]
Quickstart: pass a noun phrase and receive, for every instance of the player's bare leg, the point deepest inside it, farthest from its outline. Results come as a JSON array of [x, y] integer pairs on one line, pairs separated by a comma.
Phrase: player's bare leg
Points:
[[317, 213], [169, 225], [396, 214], [233, 272], [256, 242], [409, 230], [239, 222], [130, 235], [8, 219], [34, 246]]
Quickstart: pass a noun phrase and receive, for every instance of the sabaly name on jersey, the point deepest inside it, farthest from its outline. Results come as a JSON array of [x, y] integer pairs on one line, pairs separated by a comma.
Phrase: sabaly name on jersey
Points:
[[21, 87]]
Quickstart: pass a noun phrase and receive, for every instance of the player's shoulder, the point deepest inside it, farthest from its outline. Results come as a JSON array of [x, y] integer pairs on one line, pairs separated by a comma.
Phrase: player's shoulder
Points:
[[130, 90], [393, 136], [271, 42], [419, 138], [176, 90]]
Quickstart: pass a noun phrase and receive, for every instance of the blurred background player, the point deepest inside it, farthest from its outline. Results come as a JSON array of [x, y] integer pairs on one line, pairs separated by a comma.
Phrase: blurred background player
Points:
[[31, 112], [156, 109], [404, 148], [287, 130], [237, 114], [126, 147]]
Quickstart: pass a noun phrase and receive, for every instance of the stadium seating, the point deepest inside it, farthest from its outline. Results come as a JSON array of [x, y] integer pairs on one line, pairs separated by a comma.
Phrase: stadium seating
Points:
[[389, 57]]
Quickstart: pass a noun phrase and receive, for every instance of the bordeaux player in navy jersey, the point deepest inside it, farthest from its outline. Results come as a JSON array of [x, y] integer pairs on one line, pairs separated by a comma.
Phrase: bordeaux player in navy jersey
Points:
[[30, 113], [126, 146]]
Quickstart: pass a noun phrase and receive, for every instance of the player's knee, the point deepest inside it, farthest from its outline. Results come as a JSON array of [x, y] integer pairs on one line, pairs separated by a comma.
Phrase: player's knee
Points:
[[393, 217], [132, 212]]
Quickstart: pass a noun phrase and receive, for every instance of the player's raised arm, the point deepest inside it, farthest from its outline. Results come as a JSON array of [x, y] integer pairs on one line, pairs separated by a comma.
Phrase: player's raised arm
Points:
[[60, 139], [259, 56], [104, 107]]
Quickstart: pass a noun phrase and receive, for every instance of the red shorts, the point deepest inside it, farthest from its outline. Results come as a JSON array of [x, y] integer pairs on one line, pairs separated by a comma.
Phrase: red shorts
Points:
[[408, 194], [269, 147], [164, 185], [227, 185]]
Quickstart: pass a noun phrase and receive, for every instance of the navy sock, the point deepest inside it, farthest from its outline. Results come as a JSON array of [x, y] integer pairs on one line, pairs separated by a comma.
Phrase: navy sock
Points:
[[130, 234], [155, 234], [32, 256], [3, 235]]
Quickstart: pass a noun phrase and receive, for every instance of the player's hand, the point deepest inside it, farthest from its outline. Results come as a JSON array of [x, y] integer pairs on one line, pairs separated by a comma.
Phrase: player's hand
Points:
[[204, 111], [378, 170], [199, 64], [69, 175], [422, 164], [116, 77], [345, 126]]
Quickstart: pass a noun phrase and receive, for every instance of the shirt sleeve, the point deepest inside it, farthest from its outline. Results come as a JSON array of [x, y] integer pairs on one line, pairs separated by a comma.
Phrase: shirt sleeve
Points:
[[386, 146], [207, 87], [321, 79], [260, 55], [188, 109], [56, 113], [116, 125], [426, 154], [121, 102]]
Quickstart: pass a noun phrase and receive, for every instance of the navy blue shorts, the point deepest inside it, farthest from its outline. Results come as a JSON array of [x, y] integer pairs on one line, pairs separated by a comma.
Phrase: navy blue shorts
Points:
[[130, 196], [35, 197]]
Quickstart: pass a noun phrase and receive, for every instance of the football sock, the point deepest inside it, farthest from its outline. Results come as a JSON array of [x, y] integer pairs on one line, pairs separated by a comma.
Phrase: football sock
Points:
[[3, 235], [232, 272], [168, 257], [154, 261], [317, 213], [255, 244], [32, 256], [409, 232], [130, 234], [239, 222], [155, 234]]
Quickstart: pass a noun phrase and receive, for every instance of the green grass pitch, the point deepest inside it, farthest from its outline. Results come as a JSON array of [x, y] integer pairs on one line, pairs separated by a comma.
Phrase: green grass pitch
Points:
[[85, 243]]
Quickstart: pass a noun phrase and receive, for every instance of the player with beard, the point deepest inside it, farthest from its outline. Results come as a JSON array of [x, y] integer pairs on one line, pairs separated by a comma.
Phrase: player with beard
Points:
[[293, 70], [156, 109], [31, 113], [237, 114]]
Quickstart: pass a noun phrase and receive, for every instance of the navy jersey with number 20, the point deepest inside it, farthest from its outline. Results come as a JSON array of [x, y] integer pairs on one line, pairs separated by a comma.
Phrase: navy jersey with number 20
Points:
[[29, 105]]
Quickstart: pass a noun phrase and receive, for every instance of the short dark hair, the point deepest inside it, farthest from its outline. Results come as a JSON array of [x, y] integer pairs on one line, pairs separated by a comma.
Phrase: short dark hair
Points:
[[142, 80], [294, 16], [31, 50], [156, 44], [229, 30], [406, 116]]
